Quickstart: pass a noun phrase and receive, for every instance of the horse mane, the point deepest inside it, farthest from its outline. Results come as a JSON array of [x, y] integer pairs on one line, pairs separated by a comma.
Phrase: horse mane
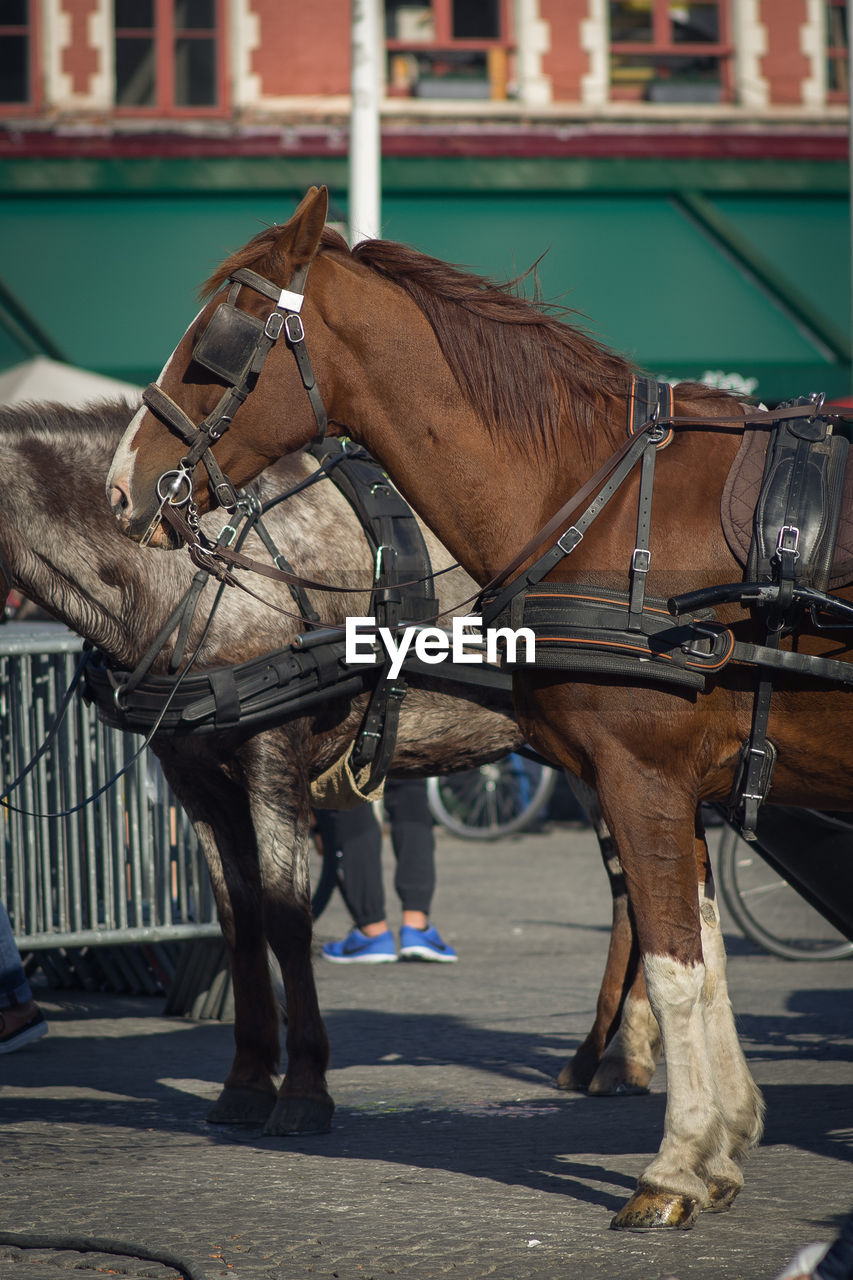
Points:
[[98, 423], [525, 366]]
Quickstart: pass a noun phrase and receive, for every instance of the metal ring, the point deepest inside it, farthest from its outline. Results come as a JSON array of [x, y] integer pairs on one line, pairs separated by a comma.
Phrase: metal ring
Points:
[[171, 493]]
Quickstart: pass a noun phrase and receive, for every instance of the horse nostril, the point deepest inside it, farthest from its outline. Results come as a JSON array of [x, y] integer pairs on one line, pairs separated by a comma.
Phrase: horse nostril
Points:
[[119, 500]]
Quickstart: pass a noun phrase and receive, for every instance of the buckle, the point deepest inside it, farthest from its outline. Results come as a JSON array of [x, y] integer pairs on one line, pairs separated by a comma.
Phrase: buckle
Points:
[[573, 535], [274, 325], [293, 329], [702, 633], [788, 541], [640, 560]]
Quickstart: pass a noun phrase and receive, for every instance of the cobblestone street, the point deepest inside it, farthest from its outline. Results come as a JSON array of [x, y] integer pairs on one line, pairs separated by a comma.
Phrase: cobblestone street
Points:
[[451, 1152]]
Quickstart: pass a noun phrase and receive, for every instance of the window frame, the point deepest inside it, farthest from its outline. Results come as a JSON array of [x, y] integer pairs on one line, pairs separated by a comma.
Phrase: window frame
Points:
[[836, 53], [445, 42], [165, 35], [662, 45], [32, 28]]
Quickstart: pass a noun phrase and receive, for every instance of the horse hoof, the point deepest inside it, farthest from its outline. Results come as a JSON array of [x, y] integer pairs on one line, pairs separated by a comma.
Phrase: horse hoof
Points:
[[573, 1080], [652, 1210], [300, 1115], [241, 1106], [619, 1079], [721, 1194]]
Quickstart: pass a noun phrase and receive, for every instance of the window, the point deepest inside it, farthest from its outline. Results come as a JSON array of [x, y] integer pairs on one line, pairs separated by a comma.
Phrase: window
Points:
[[670, 50], [16, 53], [448, 48], [836, 50], [168, 55]]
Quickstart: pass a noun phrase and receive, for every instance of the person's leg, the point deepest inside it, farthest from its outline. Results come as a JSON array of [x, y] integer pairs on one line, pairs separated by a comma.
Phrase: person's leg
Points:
[[21, 1020], [14, 987], [356, 838], [413, 840]]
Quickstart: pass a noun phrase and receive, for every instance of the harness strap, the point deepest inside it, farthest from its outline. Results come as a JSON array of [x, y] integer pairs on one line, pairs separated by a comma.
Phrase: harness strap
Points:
[[645, 403], [617, 468]]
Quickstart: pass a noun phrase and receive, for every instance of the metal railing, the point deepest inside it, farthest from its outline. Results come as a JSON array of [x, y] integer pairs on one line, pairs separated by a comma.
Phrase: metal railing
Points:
[[126, 868]]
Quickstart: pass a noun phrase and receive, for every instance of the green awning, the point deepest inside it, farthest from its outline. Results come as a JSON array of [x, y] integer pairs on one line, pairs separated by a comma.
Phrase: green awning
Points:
[[682, 296], [750, 290]]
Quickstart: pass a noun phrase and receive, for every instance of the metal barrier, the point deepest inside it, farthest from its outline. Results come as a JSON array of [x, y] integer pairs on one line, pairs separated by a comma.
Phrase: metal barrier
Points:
[[126, 869]]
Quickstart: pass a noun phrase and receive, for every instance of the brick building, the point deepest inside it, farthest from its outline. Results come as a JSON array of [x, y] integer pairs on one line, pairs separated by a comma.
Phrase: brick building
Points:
[[682, 164]]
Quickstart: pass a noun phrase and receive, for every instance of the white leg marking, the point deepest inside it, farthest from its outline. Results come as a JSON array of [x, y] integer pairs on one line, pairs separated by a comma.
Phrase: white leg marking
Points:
[[693, 1126], [739, 1098]]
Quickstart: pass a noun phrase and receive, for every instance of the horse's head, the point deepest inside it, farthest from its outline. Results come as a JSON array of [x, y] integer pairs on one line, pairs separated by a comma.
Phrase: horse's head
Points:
[[253, 321]]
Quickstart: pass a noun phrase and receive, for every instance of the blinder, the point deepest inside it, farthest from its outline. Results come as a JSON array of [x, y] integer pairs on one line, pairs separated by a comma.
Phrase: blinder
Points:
[[230, 343]]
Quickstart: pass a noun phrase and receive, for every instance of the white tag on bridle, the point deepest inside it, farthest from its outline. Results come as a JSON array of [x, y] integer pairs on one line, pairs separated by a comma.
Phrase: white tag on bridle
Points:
[[290, 301]]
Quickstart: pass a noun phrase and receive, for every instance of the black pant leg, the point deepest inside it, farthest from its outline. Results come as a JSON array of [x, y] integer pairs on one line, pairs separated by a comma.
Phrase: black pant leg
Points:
[[413, 842], [356, 837]]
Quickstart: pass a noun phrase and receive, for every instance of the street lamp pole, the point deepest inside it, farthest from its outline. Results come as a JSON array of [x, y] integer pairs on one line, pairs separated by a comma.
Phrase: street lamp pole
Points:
[[365, 133]]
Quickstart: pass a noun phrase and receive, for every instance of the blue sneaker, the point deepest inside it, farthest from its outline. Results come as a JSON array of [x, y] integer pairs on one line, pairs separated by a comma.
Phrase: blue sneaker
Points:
[[425, 944], [357, 948]]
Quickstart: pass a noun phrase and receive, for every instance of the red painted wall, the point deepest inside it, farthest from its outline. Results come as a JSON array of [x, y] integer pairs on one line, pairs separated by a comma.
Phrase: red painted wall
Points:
[[304, 49], [784, 65], [566, 62]]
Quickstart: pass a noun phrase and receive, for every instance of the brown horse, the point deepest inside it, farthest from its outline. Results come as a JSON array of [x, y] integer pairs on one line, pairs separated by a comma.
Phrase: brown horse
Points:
[[489, 412]]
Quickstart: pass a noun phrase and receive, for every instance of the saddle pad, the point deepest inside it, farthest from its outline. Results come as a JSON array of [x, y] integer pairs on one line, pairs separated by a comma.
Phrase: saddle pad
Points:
[[740, 498]]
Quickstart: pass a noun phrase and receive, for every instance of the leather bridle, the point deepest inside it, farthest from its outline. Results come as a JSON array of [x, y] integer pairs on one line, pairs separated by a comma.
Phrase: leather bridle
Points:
[[234, 347]]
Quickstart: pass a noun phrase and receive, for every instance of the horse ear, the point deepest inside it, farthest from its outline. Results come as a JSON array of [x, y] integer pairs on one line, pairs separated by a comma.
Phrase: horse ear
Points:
[[304, 229]]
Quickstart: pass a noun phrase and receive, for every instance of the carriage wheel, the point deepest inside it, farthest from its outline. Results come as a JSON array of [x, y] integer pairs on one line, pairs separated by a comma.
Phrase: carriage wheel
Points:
[[492, 801], [769, 911]]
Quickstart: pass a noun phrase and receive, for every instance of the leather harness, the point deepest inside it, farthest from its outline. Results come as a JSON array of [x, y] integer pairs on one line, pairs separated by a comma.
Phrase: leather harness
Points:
[[578, 629], [300, 677]]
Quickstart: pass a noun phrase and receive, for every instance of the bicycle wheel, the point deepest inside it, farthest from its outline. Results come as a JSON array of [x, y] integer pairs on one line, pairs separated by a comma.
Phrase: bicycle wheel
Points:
[[492, 801], [769, 911]]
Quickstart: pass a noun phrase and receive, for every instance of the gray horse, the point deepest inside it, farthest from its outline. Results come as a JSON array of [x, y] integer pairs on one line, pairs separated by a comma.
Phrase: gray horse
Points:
[[248, 795]]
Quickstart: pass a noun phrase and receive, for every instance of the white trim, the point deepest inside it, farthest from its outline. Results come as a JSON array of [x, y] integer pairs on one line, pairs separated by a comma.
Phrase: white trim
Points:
[[813, 41], [752, 90], [533, 39], [59, 84], [595, 40], [245, 39]]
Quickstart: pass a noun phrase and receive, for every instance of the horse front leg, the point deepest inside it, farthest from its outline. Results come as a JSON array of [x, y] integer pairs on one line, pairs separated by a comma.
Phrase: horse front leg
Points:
[[303, 1104], [222, 820], [713, 1109]]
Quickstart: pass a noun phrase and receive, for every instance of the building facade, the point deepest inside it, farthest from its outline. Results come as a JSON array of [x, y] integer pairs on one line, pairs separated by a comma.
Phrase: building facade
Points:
[[681, 164]]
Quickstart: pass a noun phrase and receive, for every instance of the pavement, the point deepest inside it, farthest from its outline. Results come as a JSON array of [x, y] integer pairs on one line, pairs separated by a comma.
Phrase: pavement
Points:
[[451, 1153]]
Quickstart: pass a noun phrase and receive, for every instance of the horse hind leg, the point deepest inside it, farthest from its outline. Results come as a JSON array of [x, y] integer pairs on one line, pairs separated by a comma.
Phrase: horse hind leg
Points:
[[631, 1057], [620, 1052], [713, 1106], [741, 1103]]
